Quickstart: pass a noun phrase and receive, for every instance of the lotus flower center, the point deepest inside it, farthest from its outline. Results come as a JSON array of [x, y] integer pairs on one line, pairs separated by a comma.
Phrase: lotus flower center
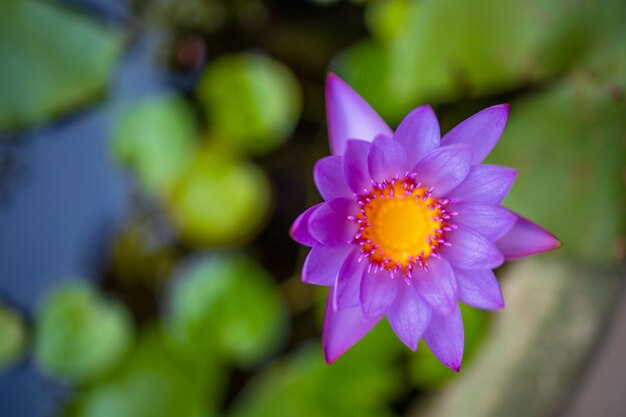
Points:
[[401, 225]]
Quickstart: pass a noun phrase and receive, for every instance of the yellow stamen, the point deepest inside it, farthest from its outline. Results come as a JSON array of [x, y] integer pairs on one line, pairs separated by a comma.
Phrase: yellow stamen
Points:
[[401, 225]]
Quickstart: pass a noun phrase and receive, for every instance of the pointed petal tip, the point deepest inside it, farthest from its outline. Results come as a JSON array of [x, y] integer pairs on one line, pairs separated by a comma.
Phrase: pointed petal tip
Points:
[[328, 358], [349, 116], [482, 130], [456, 367], [527, 238]]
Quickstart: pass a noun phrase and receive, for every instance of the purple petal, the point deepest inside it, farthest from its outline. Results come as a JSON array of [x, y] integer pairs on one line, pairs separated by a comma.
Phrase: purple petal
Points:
[[437, 286], [378, 291], [343, 328], [479, 289], [445, 338], [349, 116], [386, 159], [418, 133], [322, 264], [491, 221], [444, 168], [347, 288], [299, 230], [409, 317], [471, 251], [482, 131], [330, 226], [355, 166], [486, 184], [526, 238], [329, 178]]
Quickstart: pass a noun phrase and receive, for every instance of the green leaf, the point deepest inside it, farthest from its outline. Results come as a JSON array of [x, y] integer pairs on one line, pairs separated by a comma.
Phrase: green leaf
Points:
[[567, 144], [444, 50], [229, 306], [80, 335], [12, 337], [252, 102], [218, 199], [51, 61], [156, 139]]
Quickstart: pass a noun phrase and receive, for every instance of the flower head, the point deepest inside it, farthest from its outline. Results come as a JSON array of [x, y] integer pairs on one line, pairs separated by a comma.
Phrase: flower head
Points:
[[411, 224]]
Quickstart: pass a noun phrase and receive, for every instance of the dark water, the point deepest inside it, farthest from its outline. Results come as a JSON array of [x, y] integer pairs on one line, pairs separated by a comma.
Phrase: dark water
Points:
[[62, 200]]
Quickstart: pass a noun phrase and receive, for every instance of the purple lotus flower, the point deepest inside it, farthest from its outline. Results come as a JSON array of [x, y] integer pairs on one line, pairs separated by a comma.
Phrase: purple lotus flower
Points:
[[411, 224]]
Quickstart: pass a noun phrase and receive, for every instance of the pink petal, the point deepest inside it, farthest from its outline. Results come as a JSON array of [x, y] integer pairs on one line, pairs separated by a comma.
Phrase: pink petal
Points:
[[299, 230], [418, 133], [322, 265], [482, 131], [329, 178], [343, 328], [444, 168], [445, 338], [386, 159], [437, 286], [378, 291], [348, 287], [409, 317], [526, 238], [349, 116], [330, 226], [479, 289], [489, 220], [485, 184], [471, 251]]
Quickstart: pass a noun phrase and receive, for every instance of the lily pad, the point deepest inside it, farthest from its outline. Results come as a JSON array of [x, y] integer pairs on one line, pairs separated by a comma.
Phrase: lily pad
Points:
[[567, 144], [252, 102], [228, 306], [12, 337], [154, 381], [218, 199], [52, 60], [355, 386], [79, 334], [155, 139]]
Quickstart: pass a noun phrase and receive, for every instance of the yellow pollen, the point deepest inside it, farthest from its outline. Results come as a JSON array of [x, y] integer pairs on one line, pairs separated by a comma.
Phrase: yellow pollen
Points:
[[401, 225]]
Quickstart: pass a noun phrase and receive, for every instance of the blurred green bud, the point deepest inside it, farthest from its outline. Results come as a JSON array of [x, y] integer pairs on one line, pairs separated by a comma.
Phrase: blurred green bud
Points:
[[253, 102], [155, 140], [218, 199], [12, 337], [79, 334], [230, 306]]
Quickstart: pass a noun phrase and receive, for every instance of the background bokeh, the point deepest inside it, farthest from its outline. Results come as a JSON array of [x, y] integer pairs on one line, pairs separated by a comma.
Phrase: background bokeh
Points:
[[153, 155]]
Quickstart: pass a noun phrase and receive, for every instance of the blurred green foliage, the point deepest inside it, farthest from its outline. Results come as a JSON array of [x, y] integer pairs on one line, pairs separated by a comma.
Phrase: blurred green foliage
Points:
[[563, 185], [361, 384], [79, 334], [52, 60], [230, 307], [154, 381], [443, 50], [252, 102], [13, 337], [218, 198], [222, 346], [156, 139]]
